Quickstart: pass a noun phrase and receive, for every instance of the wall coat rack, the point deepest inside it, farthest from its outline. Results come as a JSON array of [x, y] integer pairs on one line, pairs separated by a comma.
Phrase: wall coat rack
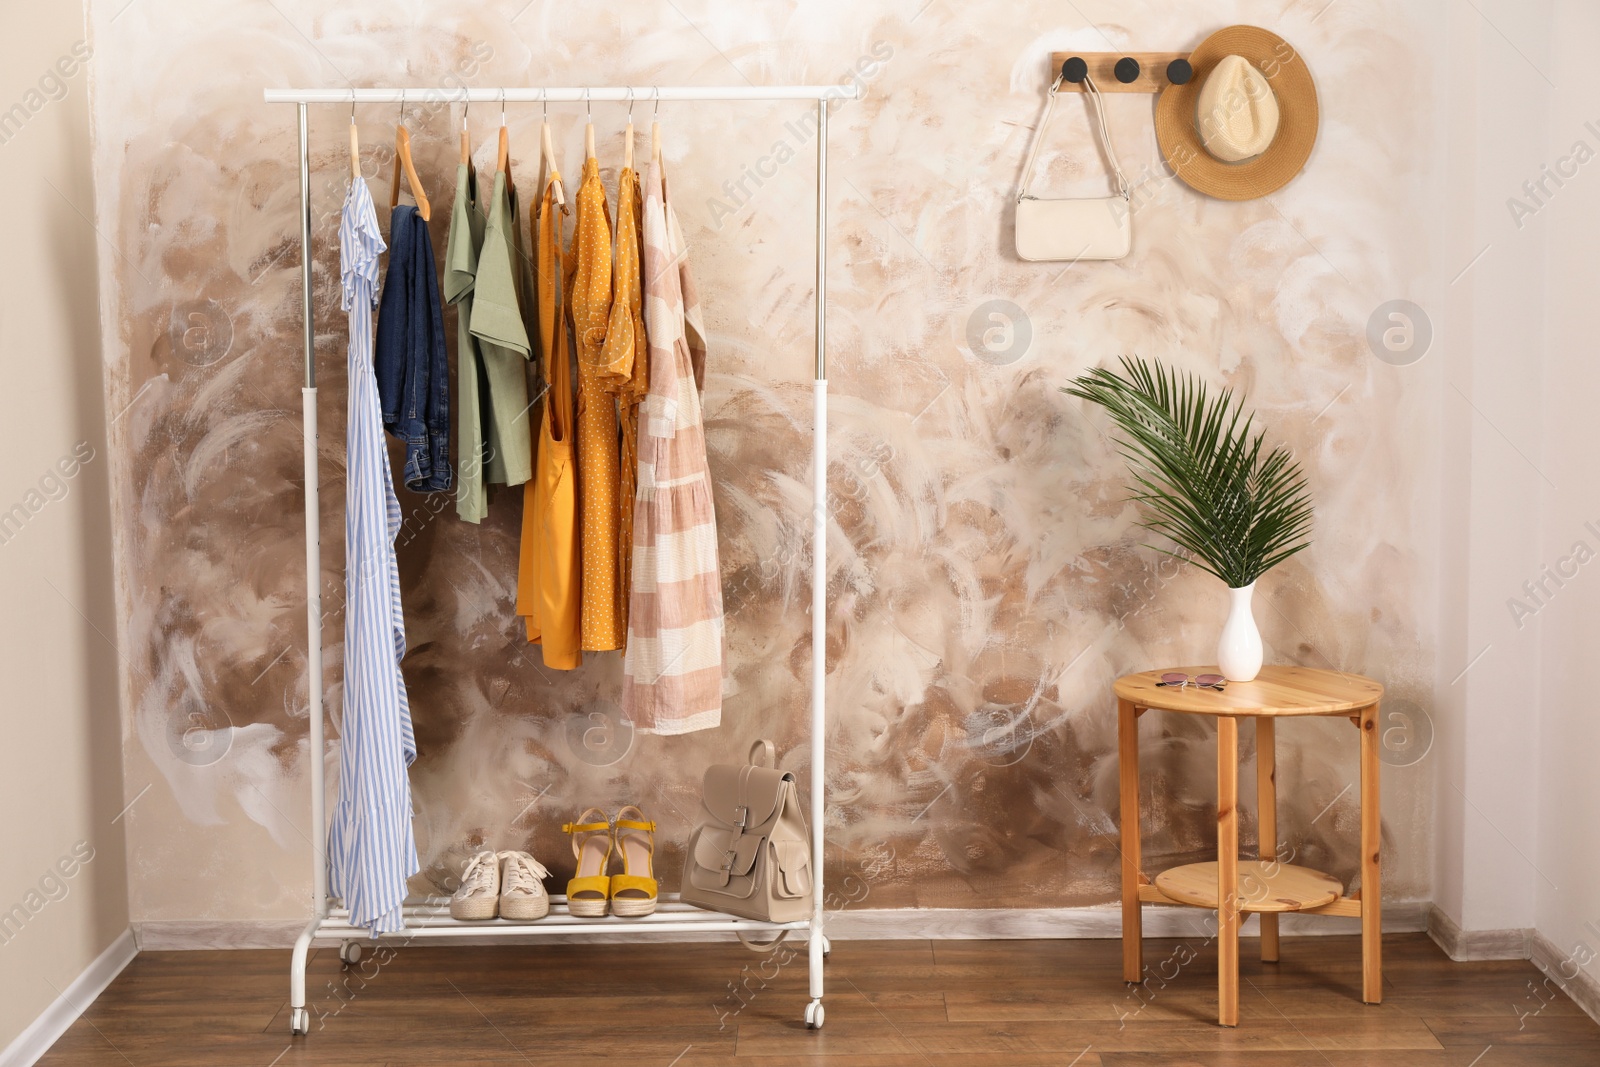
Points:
[[1245, 136], [1122, 72]]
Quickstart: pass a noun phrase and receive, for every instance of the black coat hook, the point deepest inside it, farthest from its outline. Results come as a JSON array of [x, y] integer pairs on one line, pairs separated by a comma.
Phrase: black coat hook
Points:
[[1126, 70], [1075, 70], [1179, 71]]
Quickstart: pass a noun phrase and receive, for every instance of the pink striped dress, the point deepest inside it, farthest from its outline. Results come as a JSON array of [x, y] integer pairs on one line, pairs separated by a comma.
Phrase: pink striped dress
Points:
[[672, 671]]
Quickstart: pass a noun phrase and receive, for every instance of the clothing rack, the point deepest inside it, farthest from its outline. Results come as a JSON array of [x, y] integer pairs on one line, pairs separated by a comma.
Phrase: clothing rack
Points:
[[430, 919]]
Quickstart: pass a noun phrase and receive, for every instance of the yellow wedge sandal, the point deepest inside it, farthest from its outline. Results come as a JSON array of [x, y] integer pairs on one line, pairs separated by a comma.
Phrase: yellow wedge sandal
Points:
[[634, 891], [589, 890]]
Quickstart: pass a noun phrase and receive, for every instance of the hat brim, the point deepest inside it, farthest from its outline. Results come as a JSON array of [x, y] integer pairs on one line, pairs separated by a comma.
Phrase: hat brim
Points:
[[1286, 72]]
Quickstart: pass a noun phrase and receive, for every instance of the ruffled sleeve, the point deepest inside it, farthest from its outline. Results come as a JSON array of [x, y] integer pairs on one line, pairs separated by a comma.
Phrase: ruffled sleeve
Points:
[[360, 245]]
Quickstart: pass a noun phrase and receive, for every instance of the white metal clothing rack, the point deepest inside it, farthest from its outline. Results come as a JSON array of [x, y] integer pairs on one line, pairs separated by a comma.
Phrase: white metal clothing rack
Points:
[[430, 919]]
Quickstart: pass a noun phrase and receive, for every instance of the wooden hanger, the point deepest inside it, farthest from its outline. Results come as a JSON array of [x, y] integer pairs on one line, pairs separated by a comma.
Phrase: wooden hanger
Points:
[[655, 130], [502, 162], [355, 141], [466, 153], [588, 129], [550, 163], [627, 135], [548, 154], [403, 164]]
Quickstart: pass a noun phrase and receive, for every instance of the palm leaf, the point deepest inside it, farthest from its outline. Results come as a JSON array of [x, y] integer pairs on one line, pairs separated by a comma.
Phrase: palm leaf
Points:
[[1204, 479]]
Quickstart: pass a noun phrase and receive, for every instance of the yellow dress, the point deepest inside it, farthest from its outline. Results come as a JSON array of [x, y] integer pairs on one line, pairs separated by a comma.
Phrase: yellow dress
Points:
[[547, 576], [624, 370], [589, 259]]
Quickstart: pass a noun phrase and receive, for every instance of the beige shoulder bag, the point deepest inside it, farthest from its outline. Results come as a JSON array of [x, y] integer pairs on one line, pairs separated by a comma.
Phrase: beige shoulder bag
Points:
[[1082, 228], [752, 855]]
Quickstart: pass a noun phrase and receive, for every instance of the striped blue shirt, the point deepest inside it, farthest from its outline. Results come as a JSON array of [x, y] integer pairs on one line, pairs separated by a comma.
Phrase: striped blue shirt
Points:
[[371, 852]]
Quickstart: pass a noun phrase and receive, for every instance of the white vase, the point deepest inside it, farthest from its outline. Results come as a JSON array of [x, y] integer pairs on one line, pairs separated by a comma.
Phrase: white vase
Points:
[[1239, 651]]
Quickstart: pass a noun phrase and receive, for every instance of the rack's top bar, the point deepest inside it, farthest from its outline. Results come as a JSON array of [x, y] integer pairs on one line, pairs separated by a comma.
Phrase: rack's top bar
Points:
[[639, 94]]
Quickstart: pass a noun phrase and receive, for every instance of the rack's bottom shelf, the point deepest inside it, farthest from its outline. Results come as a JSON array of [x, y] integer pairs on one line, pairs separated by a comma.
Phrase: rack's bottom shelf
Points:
[[1264, 885], [431, 919]]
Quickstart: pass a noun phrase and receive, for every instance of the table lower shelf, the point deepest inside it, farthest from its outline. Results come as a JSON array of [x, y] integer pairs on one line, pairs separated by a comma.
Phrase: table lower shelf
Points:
[[1264, 886]]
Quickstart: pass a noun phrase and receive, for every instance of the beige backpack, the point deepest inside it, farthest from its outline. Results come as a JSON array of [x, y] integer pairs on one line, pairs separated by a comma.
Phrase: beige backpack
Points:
[[752, 855]]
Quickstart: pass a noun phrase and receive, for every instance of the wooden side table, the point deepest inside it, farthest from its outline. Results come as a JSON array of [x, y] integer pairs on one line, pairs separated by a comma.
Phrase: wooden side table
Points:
[[1268, 886]]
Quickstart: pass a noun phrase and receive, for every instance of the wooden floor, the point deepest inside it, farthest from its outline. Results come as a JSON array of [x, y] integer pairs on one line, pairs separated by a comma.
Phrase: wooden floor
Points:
[[889, 1003]]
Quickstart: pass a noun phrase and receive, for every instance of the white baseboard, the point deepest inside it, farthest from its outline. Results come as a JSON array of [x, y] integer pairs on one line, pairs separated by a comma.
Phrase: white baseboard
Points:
[[960, 924], [184, 934], [1557, 965], [955, 924], [1529, 944], [44, 1031], [1463, 945]]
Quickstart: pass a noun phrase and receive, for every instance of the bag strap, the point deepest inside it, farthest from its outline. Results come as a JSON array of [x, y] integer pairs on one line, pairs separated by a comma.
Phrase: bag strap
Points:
[[761, 946], [763, 753], [1105, 137]]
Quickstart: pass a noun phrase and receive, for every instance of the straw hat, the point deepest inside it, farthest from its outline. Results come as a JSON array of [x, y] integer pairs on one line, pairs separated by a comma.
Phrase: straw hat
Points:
[[1244, 124]]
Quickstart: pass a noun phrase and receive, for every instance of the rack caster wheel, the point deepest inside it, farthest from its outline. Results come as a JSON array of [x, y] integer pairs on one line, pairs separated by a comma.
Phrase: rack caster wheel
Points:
[[814, 1015], [350, 953], [827, 948], [300, 1020]]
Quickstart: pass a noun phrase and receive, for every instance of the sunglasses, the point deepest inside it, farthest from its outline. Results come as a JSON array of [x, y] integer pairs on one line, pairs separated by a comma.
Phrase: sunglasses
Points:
[[1175, 680]]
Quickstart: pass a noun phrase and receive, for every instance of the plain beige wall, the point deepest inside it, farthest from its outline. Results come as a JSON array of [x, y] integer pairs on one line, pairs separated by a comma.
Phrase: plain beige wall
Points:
[[60, 769], [1567, 624]]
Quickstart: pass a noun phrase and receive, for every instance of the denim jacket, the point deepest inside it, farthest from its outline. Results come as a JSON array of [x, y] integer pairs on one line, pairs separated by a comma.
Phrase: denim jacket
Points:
[[410, 360]]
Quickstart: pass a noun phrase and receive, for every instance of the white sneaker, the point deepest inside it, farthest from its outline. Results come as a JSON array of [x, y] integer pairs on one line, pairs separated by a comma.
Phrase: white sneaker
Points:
[[479, 895], [522, 893]]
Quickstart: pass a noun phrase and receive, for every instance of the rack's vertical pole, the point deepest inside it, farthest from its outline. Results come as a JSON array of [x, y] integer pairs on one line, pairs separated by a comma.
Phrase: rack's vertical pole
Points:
[[308, 401], [819, 568]]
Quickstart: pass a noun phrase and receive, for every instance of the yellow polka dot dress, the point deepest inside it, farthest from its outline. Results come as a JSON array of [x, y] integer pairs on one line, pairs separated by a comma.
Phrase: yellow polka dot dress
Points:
[[598, 471], [625, 368]]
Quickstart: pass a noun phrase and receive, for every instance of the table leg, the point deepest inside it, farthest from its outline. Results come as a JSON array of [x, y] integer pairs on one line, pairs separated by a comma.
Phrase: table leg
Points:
[[1228, 870], [1128, 780], [1267, 821], [1371, 879]]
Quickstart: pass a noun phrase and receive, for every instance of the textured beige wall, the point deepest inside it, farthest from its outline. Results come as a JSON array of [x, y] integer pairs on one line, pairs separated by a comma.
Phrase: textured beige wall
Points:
[[63, 887], [986, 582], [1569, 730]]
